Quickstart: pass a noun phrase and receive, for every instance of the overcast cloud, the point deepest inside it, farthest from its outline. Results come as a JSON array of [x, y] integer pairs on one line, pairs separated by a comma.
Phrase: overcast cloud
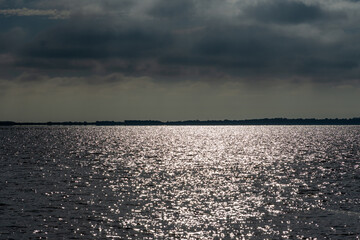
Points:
[[253, 43]]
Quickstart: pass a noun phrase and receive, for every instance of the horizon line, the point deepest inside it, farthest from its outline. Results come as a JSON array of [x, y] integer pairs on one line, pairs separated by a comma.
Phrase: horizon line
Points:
[[258, 121]]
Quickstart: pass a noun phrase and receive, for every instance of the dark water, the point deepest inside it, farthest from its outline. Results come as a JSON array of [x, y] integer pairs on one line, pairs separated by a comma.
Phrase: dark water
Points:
[[221, 182]]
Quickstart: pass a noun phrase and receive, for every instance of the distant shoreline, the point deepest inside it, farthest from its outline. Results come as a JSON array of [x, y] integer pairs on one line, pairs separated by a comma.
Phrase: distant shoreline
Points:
[[264, 121]]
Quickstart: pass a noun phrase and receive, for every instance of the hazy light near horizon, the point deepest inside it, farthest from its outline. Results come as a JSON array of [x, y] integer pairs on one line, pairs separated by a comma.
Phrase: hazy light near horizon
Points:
[[145, 99]]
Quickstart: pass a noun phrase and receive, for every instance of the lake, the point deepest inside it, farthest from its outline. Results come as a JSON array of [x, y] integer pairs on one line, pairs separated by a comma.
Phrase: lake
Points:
[[173, 182]]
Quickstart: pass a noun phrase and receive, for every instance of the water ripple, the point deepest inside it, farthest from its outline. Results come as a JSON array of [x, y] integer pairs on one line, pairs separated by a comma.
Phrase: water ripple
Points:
[[208, 182]]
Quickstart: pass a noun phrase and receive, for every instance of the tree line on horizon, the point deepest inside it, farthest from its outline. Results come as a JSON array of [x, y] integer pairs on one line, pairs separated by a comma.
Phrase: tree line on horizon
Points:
[[264, 121]]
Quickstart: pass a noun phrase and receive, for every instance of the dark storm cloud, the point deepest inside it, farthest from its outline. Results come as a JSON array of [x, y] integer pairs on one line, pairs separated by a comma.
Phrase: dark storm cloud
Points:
[[61, 4], [259, 52], [177, 39], [286, 12], [86, 45], [97, 41], [172, 9], [7, 40]]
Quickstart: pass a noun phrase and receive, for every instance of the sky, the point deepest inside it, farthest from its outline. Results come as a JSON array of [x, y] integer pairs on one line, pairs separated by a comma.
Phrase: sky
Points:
[[89, 60]]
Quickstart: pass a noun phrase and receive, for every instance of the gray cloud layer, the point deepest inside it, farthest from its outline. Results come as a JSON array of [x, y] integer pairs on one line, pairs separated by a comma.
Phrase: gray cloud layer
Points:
[[248, 41], [54, 14]]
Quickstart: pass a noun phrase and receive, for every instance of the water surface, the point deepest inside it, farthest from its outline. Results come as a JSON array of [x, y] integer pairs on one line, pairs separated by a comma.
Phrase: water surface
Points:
[[163, 182]]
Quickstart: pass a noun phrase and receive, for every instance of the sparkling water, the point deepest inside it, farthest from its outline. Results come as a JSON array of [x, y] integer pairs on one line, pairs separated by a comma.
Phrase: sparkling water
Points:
[[180, 182]]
